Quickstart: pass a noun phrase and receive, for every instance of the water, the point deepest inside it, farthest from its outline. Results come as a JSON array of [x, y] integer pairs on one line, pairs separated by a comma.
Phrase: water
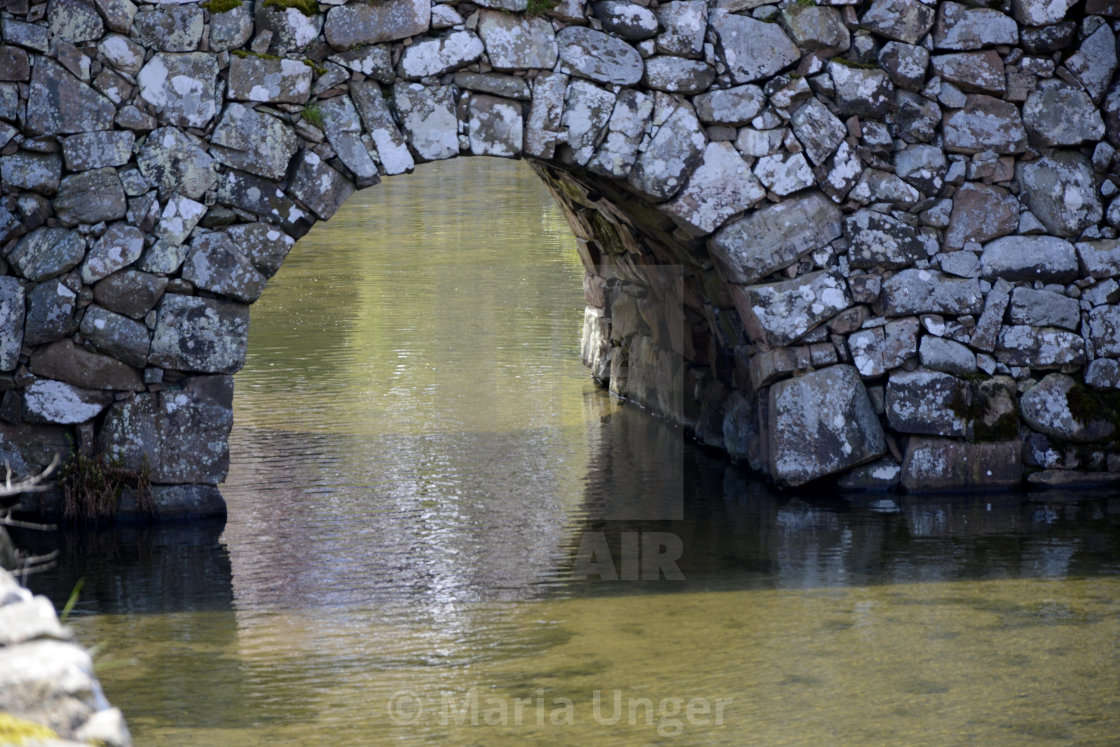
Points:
[[419, 462]]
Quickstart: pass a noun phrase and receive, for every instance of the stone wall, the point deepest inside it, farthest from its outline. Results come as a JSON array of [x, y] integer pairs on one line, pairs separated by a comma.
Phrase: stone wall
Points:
[[870, 240]]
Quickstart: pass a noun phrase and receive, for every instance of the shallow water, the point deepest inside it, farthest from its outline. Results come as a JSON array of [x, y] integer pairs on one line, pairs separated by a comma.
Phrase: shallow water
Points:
[[421, 469]]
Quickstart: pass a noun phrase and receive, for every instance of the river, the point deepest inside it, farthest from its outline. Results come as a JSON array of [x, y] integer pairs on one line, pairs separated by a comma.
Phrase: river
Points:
[[440, 531]]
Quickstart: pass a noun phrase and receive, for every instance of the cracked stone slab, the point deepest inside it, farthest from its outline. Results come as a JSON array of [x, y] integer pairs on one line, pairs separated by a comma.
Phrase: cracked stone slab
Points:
[[629, 119], [392, 150], [495, 126], [720, 187], [671, 156], [60, 104], [214, 264], [176, 161], [776, 314], [248, 140], [774, 237]]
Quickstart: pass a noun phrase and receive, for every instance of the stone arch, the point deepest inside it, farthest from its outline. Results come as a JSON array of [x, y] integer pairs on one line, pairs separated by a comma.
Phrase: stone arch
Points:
[[821, 237]]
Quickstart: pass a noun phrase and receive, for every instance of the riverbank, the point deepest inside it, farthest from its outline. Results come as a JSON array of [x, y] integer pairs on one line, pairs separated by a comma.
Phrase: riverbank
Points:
[[49, 692]]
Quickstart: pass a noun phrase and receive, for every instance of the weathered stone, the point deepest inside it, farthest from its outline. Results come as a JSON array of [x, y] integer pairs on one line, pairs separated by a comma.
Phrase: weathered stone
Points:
[[905, 64], [181, 88], [131, 118], [775, 236], [262, 244], [427, 116], [1060, 191], [779, 313], [821, 423], [751, 49], [518, 42], [130, 292], [1095, 62], [163, 257], [14, 64], [291, 29], [438, 55], [879, 476], [46, 252], [985, 123], [1039, 347], [730, 106], [963, 27], [981, 213], [963, 264], [357, 23], [497, 84], [200, 334], [495, 126], [231, 29], [861, 91], [927, 402], [672, 154], [95, 150], [939, 354], [90, 197], [1045, 258], [902, 20], [879, 241], [592, 54], [771, 365], [933, 464], [376, 61], [47, 401], [1041, 12], [178, 219], [1103, 373], [1104, 330], [922, 166], [877, 350], [876, 185], [543, 130], [1041, 308], [972, 71], [344, 132], [118, 247], [816, 29], [784, 174], [615, 155], [818, 130], [59, 103], [391, 148], [917, 118], [677, 74], [720, 187], [926, 292], [685, 22], [74, 20], [11, 321], [595, 345], [117, 335], [37, 172], [1057, 113], [180, 433], [1053, 407], [215, 265], [33, 36], [169, 28], [50, 313], [1100, 259], [262, 79], [318, 186], [263, 198], [628, 20]]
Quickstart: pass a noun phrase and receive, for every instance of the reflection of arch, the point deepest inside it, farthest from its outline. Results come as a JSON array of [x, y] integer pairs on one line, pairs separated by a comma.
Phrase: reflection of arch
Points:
[[163, 160]]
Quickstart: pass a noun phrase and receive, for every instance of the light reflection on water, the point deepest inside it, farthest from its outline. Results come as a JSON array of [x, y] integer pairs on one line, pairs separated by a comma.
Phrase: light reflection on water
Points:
[[417, 456]]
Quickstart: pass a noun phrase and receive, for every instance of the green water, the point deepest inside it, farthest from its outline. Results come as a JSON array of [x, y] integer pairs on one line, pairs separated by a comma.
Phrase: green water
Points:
[[417, 461]]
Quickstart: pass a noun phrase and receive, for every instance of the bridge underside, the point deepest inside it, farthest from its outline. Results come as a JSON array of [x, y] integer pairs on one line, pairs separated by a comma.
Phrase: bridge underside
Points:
[[873, 242]]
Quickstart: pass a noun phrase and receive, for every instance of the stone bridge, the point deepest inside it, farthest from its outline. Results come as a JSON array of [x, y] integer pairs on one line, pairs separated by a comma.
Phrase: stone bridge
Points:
[[868, 240]]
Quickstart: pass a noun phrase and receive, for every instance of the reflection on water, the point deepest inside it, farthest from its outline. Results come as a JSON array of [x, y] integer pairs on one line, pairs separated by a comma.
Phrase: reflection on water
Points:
[[417, 461]]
